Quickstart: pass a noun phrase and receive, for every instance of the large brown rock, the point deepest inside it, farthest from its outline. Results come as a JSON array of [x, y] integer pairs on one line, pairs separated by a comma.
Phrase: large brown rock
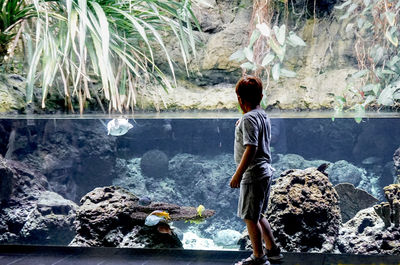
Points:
[[352, 200], [304, 211], [112, 216]]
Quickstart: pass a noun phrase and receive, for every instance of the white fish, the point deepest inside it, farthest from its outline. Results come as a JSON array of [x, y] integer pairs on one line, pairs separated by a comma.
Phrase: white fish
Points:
[[118, 127], [152, 220]]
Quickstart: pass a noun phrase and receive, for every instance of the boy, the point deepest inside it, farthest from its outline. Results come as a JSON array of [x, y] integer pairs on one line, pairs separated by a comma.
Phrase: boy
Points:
[[254, 171]]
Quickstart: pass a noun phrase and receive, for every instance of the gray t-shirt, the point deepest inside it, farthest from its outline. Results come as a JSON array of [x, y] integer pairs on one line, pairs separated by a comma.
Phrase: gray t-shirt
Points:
[[254, 128]]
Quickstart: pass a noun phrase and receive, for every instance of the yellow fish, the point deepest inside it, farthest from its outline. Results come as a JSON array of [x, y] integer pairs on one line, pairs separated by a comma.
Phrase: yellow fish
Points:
[[161, 214], [200, 209]]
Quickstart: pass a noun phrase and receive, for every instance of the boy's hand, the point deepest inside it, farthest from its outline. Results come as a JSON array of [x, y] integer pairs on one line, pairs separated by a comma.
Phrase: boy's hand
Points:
[[235, 181]]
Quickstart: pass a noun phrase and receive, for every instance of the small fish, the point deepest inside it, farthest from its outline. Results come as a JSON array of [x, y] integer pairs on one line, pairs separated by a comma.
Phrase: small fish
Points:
[[152, 220], [144, 201], [164, 228], [161, 214], [371, 160], [323, 167], [200, 209], [118, 127]]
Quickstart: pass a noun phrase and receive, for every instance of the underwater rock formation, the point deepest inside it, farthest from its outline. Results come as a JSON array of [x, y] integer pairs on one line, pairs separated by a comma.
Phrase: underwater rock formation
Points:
[[396, 160], [30, 213], [191, 180], [366, 234], [304, 211], [75, 156], [112, 217], [390, 211], [352, 200], [154, 163]]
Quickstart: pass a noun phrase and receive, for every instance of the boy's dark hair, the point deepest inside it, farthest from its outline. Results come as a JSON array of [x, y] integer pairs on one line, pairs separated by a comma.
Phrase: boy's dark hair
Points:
[[249, 88]]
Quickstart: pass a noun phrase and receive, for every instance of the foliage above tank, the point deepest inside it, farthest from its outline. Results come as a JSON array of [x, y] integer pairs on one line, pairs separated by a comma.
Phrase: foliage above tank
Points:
[[73, 44]]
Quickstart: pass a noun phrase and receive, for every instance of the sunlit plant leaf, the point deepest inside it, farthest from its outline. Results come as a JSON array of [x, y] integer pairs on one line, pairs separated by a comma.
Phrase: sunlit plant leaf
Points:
[[238, 56], [343, 5], [267, 59], [276, 71], [254, 37], [248, 53], [287, 73], [295, 40]]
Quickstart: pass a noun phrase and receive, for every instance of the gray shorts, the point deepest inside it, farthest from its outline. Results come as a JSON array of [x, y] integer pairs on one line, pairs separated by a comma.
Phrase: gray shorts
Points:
[[253, 199]]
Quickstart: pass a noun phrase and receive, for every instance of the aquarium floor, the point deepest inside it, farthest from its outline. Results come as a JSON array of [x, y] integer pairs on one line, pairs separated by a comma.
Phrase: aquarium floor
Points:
[[45, 255]]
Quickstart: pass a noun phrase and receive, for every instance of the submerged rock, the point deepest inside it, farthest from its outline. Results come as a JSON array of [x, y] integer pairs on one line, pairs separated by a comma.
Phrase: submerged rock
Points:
[[154, 163], [396, 160], [29, 213], [304, 211], [352, 200], [366, 234], [227, 238], [112, 216]]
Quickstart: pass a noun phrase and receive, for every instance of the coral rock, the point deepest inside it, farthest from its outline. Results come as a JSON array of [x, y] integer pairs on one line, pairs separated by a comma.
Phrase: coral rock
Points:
[[304, 211], [390, 211], [112, 216]]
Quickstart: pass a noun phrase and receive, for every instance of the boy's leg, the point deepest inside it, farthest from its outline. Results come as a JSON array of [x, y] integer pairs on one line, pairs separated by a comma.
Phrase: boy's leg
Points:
[[267, 233], [255, 237]]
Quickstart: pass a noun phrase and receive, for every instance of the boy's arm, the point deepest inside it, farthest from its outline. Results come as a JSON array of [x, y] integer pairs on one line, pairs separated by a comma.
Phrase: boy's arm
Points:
[[247, 157]]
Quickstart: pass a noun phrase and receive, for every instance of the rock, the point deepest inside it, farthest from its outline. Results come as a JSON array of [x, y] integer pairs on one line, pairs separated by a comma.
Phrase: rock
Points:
[[193, 241], [51, 221], [227, 238], [304, 211], [29, 213], [344, 172], [154, 163], [396, 160], [352, 200], [293, 161], [390, 211], [12, 93], [366, 234], [112, 216], [75, 155]]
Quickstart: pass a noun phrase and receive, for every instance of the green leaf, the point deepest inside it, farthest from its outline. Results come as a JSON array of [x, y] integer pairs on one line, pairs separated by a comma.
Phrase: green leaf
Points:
[[368, 100], [264, 29], [359, 112], [340, 99], [267, 59], [287, 73], [248, 52], [386, 96], [371, 87], [254, 37], [391, 18], [280, 36], [237, 56], [360, 74], [249, 66], [393, 39], [275, 71], [279, 51], [378, 54], [295, 40], [360, 22], [367, 2], [343, 5]]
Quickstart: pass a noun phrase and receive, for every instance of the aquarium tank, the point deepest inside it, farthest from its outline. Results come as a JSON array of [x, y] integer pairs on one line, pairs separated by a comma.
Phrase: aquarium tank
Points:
[[117, 122]]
